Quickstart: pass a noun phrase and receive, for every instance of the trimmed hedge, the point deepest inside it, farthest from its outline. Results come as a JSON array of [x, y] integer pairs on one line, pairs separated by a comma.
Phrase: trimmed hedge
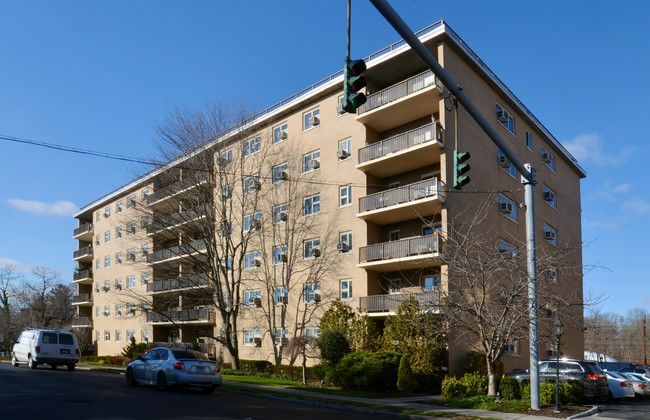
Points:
[[509, 388], [375, 372]]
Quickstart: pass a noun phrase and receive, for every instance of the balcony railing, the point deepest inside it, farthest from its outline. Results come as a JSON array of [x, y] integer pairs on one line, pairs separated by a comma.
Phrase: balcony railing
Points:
[[175, 188], [161, 223], [429, 188], [184, 315], [400, 90], [399, 249], [177, 284], [402, 141], [82, 298], [176, 251], [83, 252], [82, 321], [86, 228], [82, 275], [390, 303]]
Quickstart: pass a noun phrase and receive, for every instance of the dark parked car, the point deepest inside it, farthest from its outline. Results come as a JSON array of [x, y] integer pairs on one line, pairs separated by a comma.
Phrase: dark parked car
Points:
[[167, 367], [591, 375]]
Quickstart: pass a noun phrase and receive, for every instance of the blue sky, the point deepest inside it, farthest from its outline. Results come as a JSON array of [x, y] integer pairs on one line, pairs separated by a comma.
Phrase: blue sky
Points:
[[100, 75]]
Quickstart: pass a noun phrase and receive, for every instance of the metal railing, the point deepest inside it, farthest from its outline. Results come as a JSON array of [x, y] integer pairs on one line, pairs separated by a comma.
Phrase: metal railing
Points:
[[80, 275], [82, 321], [429, 188], [82, 252], [184, 315], [177, 284], [88, 227], [398, 249], [176, 251], [163, 222], [402, 141], [391, 303], [175, 187], [400, 90], [82, 298]]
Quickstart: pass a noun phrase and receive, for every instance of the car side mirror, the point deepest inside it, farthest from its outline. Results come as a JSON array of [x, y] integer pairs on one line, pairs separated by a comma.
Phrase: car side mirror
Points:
[[138, 357]]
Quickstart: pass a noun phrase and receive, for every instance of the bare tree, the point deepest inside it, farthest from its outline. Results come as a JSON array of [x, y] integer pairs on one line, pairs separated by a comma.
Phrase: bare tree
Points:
[[45, 302], [8, 279]]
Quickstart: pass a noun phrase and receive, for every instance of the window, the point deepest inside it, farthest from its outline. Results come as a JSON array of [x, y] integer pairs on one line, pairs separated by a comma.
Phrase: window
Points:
[[311, 161], [550, 273], [107, 261], [226, 193], [252, 221], [225, 158], [98, 240], [97, 332], [98, 264], [107, 285], [118, 310], [394, 235], [280, 254], [118, 233], [312, 205], [506, 165], [130, 281], [312, 332], [280, 173], [129, 334], [345, 196], [551, 311], [118, 336], [346, 289], [130, 228], [107, 236], [311, 119], [107, 310], [118, 283], [107, 335], [118, 207], [97, 312], [98, 216], [144, 251], [130, 255], [312, 293], [252, 183], [252, 260], [339, 107], [107, 212], [144, 279], [280, 295], [280, 213], [97, 287], [144, 336], [395, 286], [512, 347], [529, 140], [130, 202], [345, 149], [130, 309], [280, 133], [505, 119], [281, 336], [548, 159], [549, 196], [345, 242], [144, 222], [311, 248], [509, 252], [227, 264], [432, 283], [252, 146], [118, 258], [550, 234], [250, 297], [252, 336], [144, 194], [432, 229], [225, 229], [507, 208]]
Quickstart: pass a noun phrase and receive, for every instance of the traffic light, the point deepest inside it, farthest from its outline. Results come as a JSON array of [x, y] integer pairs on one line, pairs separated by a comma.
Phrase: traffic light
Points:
[[460, 168], [352, 82]]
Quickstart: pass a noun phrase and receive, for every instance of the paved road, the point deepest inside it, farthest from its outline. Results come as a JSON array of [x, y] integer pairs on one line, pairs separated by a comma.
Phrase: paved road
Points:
[[635, 409], [58, 394]]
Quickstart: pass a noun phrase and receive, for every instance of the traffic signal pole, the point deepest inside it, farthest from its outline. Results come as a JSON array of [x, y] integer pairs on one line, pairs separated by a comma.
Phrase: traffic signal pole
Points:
[[526, 170]]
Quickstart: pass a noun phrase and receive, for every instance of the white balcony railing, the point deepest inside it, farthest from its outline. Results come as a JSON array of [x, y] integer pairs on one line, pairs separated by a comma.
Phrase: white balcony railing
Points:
[[398, 249], [429, 188], [402, 141]]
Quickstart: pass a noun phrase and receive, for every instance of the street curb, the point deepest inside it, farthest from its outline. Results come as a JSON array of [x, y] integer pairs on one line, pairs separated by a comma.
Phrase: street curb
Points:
[[593, 410]]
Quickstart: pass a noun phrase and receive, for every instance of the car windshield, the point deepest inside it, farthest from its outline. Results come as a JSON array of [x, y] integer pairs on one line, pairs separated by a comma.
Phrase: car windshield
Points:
[[189, 355], [615, 375]]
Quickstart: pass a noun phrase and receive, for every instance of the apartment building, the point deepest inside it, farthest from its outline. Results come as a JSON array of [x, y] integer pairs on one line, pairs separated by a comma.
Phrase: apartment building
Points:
[[309, 204]]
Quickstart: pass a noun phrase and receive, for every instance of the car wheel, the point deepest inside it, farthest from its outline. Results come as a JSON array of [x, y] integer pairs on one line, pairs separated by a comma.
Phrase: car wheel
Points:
[[71, 367], [130, 377], [209, 389], [606, 399], [14, 361], [162, 382], [31, 363]]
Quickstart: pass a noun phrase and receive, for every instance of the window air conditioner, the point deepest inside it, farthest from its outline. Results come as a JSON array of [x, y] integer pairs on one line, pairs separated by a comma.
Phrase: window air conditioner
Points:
[[339, 109], [282, 135], [505, 208], [342, 247], [547, 157], [257, 302], [504, 162], [251, 301], [314, 121], [106, 313], [283, 258], [314, 164], [502, 116], [257, 341], [315, 253], [282, 176], [118, 286], [549, 236], [549, 196], [257, 262], [255, 224], [342, 154], [106, 288], [316, 297], [284, 299], [256, 185], [549, 274], [283, 216]]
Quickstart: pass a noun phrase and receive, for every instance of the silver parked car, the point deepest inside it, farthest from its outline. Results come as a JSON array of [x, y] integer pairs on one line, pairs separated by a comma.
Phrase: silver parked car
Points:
[[641, 385], [167, 367]]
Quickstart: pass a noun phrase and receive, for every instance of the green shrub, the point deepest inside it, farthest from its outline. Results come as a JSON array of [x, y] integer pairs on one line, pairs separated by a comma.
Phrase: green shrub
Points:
[[320, 370], [406, 380], [525, 389], [452, 388], [131, 350], [333, 346], [376, 372], [509, 388], [573, 392], [547, 393], [256, 366], [475, 362], [476, 384]]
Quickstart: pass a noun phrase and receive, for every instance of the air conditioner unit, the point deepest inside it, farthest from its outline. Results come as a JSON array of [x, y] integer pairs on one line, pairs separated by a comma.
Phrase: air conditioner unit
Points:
[[547, 157], [283, 135], [505, 208], [282, 176], [199, 307], [342, 247], [131, 311], [106, 288], [257, 341], [284, 299], [283, 216], [314, 121], [339, 109], [549, 235], [256, 185], [257, 302], [314, 164], [257, 262], [106, 313], [502, 116], [130, 258], [283, 258], [251, 301], [316, 297], [221, 161], [504, 162], [107, 214], [255, 224], [315, 253], [549, 196], [549, 274], [342, 154], [118, 286]]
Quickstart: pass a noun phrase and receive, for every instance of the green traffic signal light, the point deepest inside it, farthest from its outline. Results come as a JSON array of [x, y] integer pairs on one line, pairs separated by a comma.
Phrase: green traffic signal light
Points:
[[460, 168], [352, 82]]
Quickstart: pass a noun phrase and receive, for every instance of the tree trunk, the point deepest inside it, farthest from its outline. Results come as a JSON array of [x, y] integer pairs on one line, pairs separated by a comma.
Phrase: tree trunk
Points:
[[492, 379], [304, 369]]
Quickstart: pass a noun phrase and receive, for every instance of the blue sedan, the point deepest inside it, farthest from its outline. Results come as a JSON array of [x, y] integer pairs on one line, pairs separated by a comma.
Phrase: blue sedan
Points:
[[165, 367]]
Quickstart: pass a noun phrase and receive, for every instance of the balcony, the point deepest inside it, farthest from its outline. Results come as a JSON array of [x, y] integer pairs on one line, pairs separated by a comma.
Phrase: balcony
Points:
[[176, 252], [82, 322], [83, 299], [381, 305], [83, 254], [84, 232], [399, 104], [402, 153], [173, 285], [175, 189], [184, 316], [416, 200], [167, 222], [83, 277], [406, 254]]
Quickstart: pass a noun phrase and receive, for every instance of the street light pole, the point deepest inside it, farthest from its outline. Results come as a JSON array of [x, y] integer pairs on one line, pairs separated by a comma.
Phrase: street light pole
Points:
[[559, 329]]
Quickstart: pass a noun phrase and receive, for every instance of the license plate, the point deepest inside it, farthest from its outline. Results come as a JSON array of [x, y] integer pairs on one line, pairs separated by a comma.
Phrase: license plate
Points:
[[65, 351], [200, 368]]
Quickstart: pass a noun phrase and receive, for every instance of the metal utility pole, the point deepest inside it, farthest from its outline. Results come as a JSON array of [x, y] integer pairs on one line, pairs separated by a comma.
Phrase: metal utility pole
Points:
[[645, 354], [526, 170]]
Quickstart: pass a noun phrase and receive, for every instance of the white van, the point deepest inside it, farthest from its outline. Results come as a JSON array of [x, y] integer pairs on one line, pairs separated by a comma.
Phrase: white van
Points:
[[54, 347]]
